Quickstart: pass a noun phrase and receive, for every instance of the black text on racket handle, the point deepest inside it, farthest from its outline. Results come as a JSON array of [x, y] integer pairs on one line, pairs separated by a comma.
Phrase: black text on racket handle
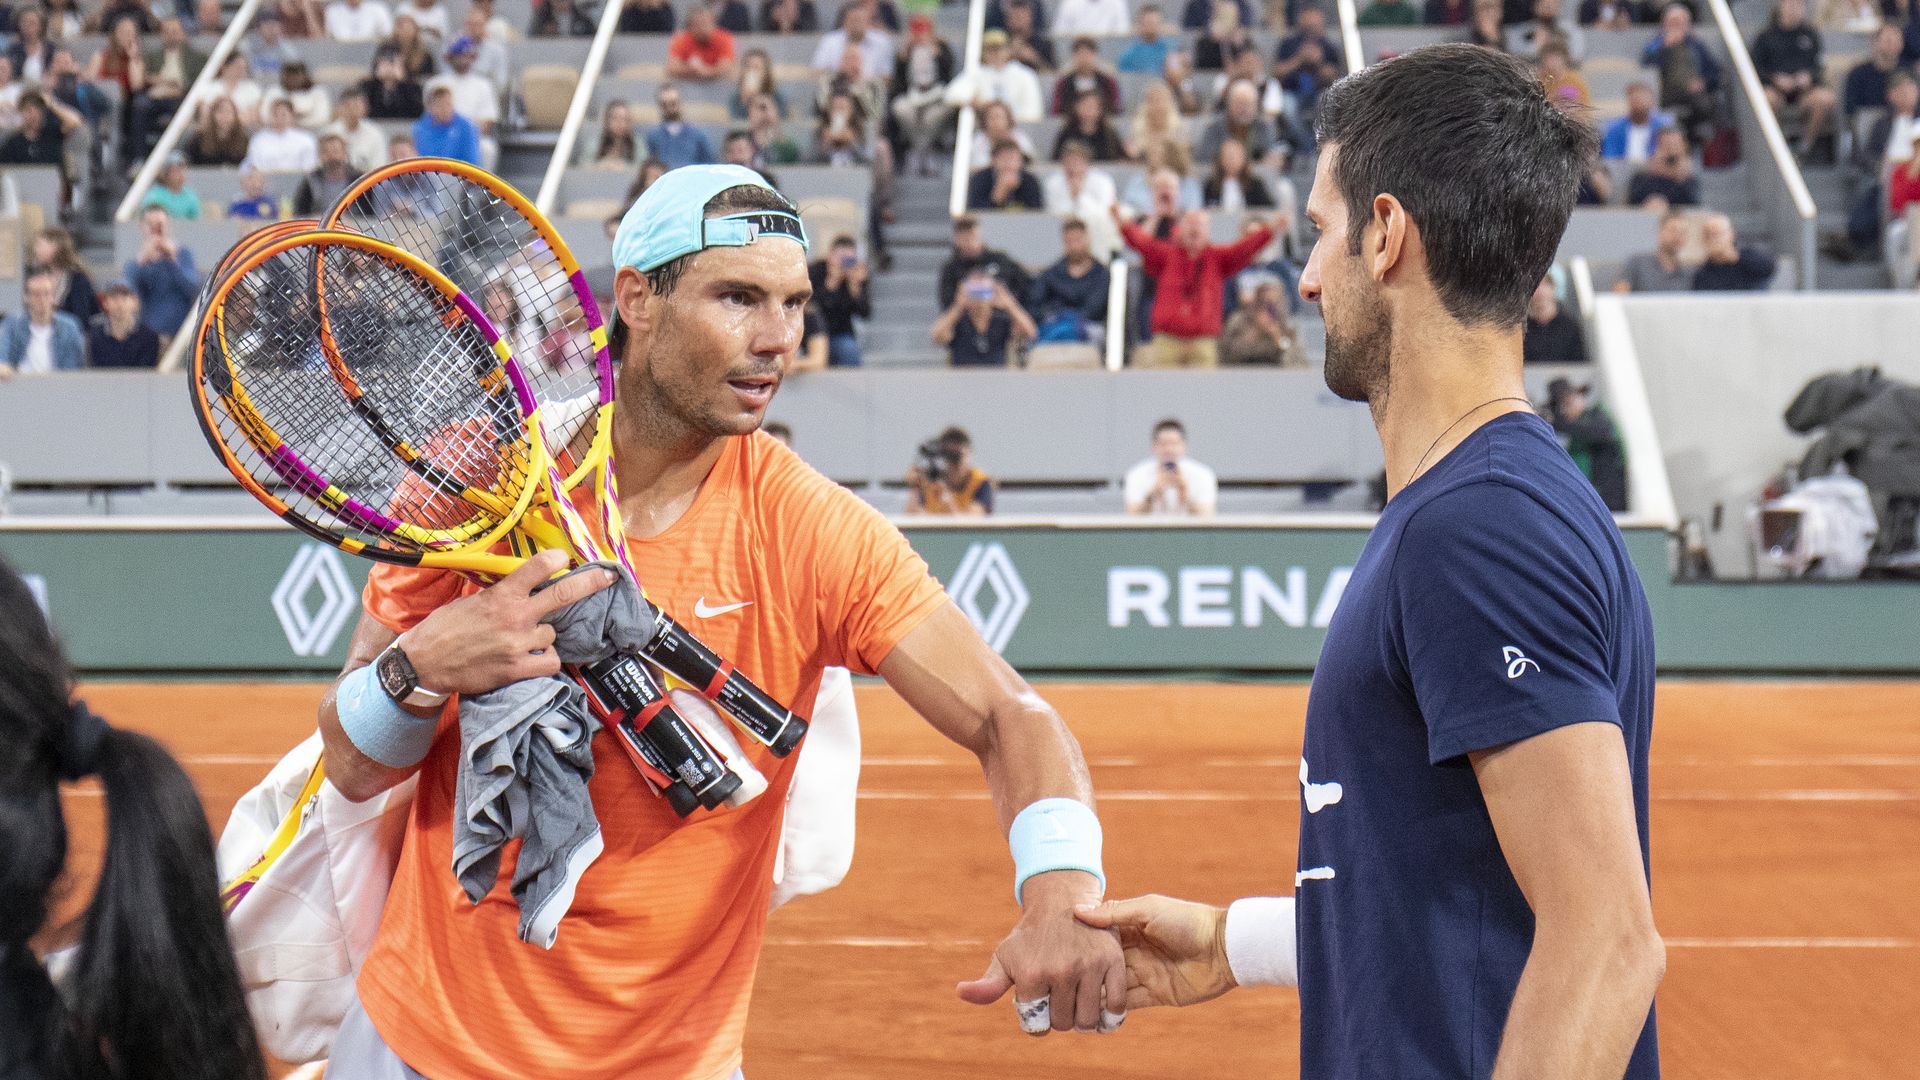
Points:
[[640, 750], [622, 684], [688, 659]]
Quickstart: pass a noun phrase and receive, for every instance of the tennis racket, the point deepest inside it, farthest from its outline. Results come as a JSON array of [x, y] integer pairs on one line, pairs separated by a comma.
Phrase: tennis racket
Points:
[[499, 249], [273, 409]]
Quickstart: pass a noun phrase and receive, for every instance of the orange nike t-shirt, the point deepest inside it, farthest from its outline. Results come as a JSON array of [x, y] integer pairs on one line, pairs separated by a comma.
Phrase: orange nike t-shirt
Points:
[[654, 965]]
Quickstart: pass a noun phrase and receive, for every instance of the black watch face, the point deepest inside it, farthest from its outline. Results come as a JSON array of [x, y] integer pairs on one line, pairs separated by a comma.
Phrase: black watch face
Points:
[[396, 674]]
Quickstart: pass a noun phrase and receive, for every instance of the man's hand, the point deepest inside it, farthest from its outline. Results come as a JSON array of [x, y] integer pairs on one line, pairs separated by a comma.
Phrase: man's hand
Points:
[[1076, 970], [494, 637], [1176, 950]]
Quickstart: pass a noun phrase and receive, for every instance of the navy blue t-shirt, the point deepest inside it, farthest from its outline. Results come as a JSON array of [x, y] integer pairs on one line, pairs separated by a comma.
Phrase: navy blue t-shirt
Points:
[[1494, 601]]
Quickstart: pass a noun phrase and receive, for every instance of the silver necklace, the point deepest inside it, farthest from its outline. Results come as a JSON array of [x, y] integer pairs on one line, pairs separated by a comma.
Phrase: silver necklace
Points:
[[1457, 423]]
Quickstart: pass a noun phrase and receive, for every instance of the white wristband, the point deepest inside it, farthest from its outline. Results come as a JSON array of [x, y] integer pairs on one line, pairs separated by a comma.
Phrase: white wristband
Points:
[[1261, 941], [1054, 834]]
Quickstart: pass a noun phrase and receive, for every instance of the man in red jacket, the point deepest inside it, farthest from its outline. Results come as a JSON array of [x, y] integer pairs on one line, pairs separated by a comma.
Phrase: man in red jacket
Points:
[[1190, 274]]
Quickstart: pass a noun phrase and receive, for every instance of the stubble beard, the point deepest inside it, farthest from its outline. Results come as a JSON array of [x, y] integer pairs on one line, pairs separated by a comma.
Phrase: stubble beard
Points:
[[1360, 350]]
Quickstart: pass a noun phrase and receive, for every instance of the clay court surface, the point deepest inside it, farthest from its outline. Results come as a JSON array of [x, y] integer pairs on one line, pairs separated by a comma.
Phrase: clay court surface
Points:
[[1786, 864]]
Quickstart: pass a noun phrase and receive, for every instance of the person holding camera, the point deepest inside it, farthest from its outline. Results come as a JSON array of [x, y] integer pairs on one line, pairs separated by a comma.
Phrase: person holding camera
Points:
[[983, 324], [944, 481], [840, 294], [1170, 482], [1668, 178]]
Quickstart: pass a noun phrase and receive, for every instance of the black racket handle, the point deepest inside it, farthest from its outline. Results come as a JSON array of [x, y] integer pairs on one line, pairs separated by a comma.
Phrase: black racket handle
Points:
[[678, 653], [680, 797], [625, 686]]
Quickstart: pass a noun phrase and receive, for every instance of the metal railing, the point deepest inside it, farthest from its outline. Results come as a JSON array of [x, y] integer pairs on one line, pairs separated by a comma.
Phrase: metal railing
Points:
[[1350, 35], [1794, 216], [1649, 490], [183, 116], [577, 109], [963, 130]]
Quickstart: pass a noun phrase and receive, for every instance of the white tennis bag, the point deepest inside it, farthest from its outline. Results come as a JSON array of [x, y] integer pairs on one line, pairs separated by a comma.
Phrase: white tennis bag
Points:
[[306, 874]]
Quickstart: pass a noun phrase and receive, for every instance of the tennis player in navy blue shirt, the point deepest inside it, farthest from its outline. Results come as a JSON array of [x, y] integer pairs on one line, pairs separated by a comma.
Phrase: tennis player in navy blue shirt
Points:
[[1471, 899]]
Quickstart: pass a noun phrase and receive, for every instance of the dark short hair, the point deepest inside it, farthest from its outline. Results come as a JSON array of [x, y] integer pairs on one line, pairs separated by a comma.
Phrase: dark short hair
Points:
[[33, 98], [965, 223], [844, 240], [1898, 78], [1073, 224], [1085, 42], [1488, 170], [117, 290], [955, 438], [1170, 424], [1076, 145]]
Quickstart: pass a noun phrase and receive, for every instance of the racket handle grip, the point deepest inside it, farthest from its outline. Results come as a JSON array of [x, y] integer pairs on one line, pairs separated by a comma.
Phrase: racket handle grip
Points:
[[625, 688], [680, 797], [678, 653]]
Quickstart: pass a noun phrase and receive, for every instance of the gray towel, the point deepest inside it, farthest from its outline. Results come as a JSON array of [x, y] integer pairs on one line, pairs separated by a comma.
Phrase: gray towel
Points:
[[615, 619]]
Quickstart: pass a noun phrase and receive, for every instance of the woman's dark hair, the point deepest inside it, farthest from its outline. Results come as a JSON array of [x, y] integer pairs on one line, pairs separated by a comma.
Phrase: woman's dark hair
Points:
[[154, 991], [1484, 163]]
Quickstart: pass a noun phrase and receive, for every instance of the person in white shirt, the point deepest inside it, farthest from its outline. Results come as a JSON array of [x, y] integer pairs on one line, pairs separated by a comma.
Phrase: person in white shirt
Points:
[[358, 20], [366, 143], [280, 146], [858, 32], [431, 17], [1077, 190], [475, 96], [236, 84], [312, 108], [999, 78], [490, 50], [1090, 17], [1170, 482]]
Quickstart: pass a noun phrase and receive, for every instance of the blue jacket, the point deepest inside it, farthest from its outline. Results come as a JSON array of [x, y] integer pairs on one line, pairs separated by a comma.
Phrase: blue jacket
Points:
[[688, 147], [1613, 142], [166, 290], [69, 345], [458, 138]]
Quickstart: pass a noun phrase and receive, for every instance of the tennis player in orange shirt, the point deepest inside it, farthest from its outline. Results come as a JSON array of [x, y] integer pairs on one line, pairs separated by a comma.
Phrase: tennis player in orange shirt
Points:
[[781, 571]]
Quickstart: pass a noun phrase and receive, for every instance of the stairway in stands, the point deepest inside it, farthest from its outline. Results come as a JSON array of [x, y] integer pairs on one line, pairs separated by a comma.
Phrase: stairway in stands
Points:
[[904, 304]]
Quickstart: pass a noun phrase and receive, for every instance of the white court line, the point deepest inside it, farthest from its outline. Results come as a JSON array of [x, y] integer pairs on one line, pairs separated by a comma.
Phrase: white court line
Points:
[[1805, 761], [934, 762], [1792, 795], [229, 759], [1787, 795], [1671, 943]]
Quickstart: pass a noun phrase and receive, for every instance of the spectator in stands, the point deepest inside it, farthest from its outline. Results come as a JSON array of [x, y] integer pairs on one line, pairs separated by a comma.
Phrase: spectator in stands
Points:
[[702, 52], [1158, 122], [53, 253], [772, 145], [120, 340], [358, 20], [1087, 123], [1225, 38], [391, 93], [1667, 179], [414, 48], [1446, 12], [63, 19], [1866, 85], [476, 95], [674, 142], [1557, 77], [171, 193], [1887, 141], [1730, 266], [312, 109], [756, 78], [738, 149], [1078, 190], [1168, 482], [1197, 13], [119, 60], [1591, 439], [442, 132], [1069, 299], [1240, 121], [984, 325], [1027, 42], [616, 146], [10, 91], [1166, 177], [235, 83], [999, 78], [281, 147], [1689, 75], [1177, 74], [971, 255], [366, 143], [869, 95], [269, 50], [857, 32], [994, 126], [840, 294], [42, 338], [1105, 17], [64, 83], [482, 25], [1189, 274], [560, 18], [1005, 184], [1084, 76], [253, 202], [1547, 28], [1903, 191], [646, 17], [401, 147], [650, 170], [733, 16], [919, 106], [1613, 14], [42, 136], [1786, 56], [320, 188], [429, 17], [1632, 137], [163, 275], [1233, 186], [1660, 270], [841, 136], [30, 50], [952, 485], [1488, 29], [789, 17], [1260, 331], [1390, 13], [170, 69], [1146, 53], [1306, 60], [1553, 333]]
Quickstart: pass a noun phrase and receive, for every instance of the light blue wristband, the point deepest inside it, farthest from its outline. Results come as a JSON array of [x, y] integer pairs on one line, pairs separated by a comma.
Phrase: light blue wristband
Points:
[[379, 726], [1054, 834]]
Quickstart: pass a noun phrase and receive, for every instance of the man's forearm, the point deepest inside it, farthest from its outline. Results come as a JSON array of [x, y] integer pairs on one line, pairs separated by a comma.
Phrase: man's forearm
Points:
[[1030, 755], [1581, 1005]]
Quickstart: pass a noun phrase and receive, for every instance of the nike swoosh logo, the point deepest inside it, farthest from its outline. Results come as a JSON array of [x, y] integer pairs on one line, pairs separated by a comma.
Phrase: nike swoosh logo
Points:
[[701, 609]]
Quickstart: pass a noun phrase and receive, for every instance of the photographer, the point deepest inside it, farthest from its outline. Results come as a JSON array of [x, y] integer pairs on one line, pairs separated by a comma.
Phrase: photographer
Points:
[[983, 325], [1168, 481], [840, 293], [944, 481]]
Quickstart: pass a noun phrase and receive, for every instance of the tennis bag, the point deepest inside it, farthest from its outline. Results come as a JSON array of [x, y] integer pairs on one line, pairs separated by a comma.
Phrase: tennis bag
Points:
[[306, 873]]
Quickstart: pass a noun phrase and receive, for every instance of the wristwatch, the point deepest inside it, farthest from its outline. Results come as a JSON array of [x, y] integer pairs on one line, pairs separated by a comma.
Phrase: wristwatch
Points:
[[401, 682]]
